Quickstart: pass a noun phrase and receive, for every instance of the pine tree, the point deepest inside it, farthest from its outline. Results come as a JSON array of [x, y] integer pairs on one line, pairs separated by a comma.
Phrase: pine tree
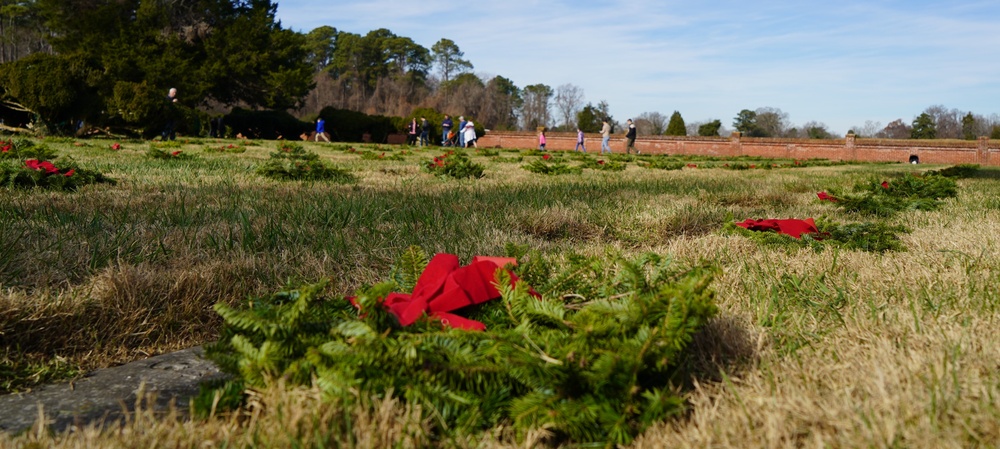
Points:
[[676, 126], [923, 127]]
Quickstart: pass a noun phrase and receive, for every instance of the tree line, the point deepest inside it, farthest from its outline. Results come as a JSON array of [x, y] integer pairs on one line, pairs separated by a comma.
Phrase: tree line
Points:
[[109, 63]]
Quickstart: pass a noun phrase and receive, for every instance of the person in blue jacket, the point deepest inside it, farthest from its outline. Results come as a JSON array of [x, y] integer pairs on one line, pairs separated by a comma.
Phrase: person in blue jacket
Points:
[[321, 130]]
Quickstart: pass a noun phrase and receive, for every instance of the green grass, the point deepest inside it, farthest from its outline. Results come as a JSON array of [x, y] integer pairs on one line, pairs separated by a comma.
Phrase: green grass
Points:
[[844, 347]]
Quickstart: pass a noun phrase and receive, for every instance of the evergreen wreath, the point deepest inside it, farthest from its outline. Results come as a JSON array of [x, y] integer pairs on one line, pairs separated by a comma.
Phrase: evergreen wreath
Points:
[[24, 149], [33, 173], [600, 164], [886, 198], [544, 167], [664, 163], [176, 155], [454, 164], [597, 359], [291, 162], [875, 237]]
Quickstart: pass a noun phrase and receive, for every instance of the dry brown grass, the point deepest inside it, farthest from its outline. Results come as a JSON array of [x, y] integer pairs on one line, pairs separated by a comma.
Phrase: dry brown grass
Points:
[[828, 349], [912, 364]]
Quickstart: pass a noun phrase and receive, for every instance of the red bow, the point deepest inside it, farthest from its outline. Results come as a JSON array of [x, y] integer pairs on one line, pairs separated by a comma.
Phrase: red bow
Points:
[[823, 196], [35, 164], [885, 184], [445, 286], [793, 227]]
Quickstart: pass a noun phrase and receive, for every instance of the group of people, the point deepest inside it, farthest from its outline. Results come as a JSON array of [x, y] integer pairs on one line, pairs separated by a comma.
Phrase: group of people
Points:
[[630, 134], [464, 136]]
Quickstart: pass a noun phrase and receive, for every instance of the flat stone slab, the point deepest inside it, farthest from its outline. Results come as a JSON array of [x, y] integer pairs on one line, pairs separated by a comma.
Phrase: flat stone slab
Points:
[[105, 395]]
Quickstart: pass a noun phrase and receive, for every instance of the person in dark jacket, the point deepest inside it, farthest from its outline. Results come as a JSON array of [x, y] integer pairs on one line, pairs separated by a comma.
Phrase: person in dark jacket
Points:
[[630, 138], [169, 129], [425, 130], [446, 125]]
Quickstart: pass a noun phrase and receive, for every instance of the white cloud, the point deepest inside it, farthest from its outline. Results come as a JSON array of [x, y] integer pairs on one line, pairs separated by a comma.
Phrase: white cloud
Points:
[[840, 63]]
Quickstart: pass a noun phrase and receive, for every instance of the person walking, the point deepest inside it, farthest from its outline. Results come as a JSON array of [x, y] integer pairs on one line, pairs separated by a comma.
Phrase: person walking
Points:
[[469, 136], [321, 130], [579, 140], [425, 129], [541, 139], [461, 131], [630, 138], [605, 137], [446, 125], [170, 128]]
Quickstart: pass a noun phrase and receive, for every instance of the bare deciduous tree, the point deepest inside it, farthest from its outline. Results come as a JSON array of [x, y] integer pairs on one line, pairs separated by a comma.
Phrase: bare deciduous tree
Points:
[[947, 123], [869, 129], [569, 101], [535, 109], [896, 129], [772, 122], [651, 123]]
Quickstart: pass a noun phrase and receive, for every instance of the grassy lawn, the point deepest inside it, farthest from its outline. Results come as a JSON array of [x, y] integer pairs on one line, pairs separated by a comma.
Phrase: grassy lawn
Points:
[[811, 348]]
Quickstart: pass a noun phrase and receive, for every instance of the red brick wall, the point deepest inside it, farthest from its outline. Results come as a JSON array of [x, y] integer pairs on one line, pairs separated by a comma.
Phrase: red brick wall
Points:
[[983, 151]]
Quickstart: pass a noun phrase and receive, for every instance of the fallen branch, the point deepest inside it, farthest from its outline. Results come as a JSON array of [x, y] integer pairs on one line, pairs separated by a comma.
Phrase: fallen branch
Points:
[[15, 129]]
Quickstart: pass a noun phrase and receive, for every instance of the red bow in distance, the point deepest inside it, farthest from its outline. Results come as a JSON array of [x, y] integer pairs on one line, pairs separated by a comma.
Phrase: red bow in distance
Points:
[[793, 227], [823, 196]]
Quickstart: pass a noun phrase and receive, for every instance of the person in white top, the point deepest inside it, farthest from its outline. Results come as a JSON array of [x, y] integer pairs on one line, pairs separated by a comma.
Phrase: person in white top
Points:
[[470, 135]]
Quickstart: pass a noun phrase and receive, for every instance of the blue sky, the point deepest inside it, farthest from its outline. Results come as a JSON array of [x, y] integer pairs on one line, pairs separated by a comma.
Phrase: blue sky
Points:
[[839, 63]]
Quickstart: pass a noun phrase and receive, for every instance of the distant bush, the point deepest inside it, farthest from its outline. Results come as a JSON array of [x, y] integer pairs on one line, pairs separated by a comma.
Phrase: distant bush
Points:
[[268, 125], [350, 126]]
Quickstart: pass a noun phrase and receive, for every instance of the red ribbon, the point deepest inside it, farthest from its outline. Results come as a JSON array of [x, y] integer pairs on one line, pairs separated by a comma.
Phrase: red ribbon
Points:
[[793, 227], [823, 196], [444, 286]]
